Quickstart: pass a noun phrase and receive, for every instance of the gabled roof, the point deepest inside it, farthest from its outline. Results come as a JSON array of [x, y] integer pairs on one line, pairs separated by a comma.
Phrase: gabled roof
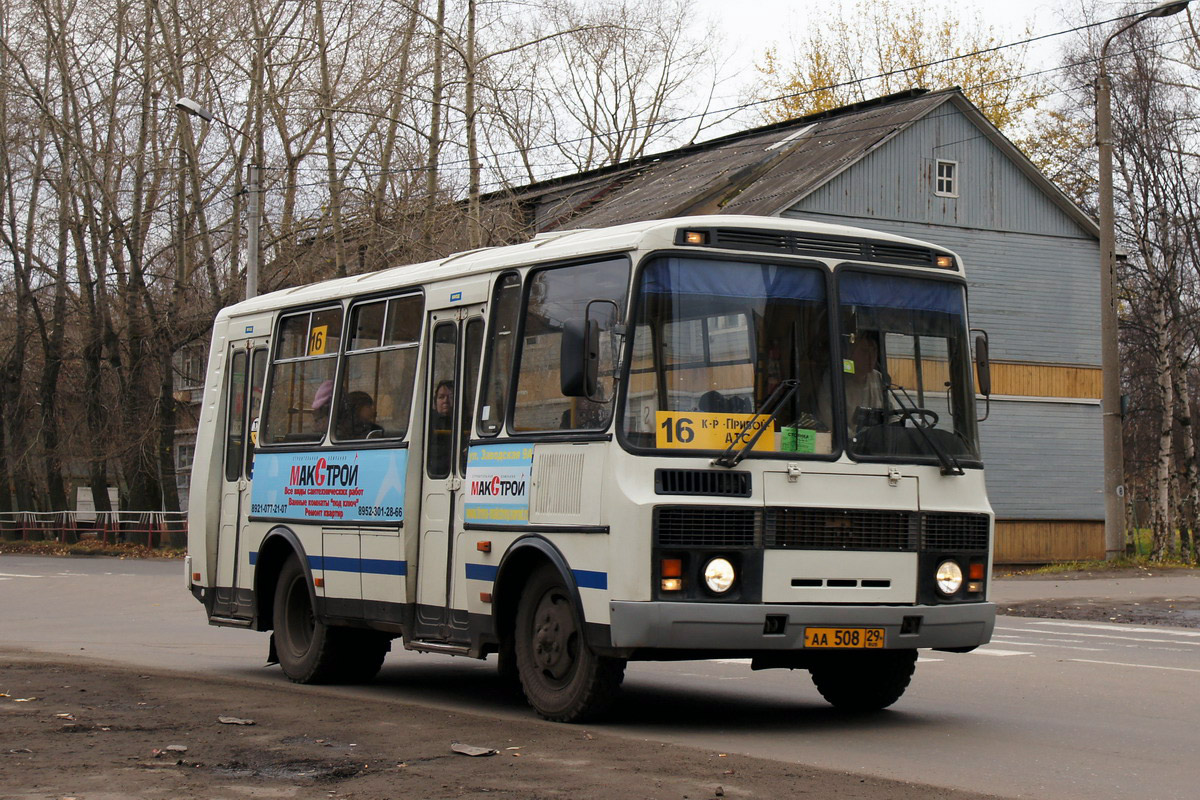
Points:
[[761, 171]]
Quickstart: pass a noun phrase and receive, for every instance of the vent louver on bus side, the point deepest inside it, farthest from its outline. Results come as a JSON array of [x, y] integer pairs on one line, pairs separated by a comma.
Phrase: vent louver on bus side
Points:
[[712, 482]]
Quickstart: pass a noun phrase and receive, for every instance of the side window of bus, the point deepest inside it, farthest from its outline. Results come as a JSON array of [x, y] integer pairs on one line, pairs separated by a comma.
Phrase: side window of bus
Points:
[[493, 399], [443, 356], [375, 397], [557, 295], [258, 371], [300, 397], [472, 351], [235, 430]]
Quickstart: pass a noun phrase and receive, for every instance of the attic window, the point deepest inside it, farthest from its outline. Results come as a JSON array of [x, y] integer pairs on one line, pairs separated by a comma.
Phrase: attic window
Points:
[[946, 183]]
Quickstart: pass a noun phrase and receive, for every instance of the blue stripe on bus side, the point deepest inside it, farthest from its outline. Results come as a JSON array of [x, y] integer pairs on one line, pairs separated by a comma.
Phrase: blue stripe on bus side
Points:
[[585, 579], [481, 572], [369, 566]]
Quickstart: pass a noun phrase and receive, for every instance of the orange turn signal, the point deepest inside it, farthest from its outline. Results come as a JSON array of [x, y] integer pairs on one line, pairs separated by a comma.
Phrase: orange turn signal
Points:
[[195, 577], [672, 567], [485, 597], [483, 547], [319, 583], [976, 573]]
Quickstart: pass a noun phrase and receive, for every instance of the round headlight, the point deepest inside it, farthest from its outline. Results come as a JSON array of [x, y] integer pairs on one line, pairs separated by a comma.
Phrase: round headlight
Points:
[[949, 577], [718, 575]]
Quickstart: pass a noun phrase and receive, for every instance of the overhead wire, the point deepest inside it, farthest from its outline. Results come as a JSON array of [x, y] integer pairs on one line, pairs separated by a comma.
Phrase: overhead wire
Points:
[[374, 172]]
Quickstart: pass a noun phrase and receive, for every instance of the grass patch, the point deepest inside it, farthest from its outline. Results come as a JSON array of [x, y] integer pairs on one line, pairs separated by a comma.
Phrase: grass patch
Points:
[[90, 548]]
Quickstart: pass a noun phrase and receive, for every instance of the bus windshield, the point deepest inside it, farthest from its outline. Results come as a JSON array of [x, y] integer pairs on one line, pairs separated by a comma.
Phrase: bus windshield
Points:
[[713, 339], [906, 371]]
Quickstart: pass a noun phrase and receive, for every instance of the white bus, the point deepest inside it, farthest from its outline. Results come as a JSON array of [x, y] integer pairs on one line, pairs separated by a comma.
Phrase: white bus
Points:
[[708, 437]]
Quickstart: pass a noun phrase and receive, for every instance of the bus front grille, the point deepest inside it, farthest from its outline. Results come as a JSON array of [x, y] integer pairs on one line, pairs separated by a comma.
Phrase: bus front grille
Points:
[[837, 529], [795, 528], [697, 526], [954, 532]]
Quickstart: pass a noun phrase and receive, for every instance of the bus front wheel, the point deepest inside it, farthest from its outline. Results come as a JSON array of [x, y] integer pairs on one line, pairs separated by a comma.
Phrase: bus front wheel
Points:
[[310, 651], [864, 681], [563, 679]]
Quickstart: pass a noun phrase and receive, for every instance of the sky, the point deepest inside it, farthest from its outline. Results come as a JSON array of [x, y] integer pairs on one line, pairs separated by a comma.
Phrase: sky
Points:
[[749, 27]]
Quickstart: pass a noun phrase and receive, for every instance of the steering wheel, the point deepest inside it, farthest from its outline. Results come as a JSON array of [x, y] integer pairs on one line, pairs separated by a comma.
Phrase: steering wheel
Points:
[[927, 415]]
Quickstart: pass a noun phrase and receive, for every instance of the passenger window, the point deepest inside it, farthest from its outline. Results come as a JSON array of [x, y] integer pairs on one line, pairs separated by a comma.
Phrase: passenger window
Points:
[[301, 390], [501, 344], [439, 444], [258, 371], [375, 398], [473, 348], [557, 295], [236, 425]]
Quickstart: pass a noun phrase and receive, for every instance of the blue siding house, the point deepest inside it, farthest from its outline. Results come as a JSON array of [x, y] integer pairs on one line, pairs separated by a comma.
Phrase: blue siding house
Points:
[[931, 166]]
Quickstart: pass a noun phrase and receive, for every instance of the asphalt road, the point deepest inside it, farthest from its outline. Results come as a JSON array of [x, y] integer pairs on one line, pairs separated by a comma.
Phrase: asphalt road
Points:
[[1051, 709]]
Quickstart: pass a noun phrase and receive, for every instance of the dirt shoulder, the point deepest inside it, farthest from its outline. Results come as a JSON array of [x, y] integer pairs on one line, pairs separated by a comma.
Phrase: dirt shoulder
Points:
[[97, 732], [1138, 595]]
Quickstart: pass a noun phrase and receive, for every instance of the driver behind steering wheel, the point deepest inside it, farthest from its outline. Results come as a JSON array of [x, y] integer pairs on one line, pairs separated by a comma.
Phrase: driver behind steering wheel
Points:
[[863, 382]]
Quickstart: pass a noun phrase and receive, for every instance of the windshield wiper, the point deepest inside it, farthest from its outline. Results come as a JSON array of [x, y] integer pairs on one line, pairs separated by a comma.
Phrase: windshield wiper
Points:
[[731, 459], [950, 465]]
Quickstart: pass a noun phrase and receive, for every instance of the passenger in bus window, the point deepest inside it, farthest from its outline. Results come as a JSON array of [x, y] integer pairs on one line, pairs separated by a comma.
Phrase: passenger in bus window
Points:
[[443, 404], [440, 421], [357, 418], [322, 405]]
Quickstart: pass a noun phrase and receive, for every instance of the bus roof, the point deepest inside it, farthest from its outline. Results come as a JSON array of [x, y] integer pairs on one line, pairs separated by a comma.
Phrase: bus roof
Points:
[[545, 247]]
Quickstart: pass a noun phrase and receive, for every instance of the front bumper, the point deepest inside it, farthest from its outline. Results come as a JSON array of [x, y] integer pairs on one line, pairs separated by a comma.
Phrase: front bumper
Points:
[[777, 627]]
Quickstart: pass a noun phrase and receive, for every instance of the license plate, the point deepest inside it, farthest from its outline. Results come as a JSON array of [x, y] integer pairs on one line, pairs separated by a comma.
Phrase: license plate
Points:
[[843, 638]]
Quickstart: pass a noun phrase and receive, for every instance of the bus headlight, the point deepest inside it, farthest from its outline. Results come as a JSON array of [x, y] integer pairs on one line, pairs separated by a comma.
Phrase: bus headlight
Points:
[[949, 577], [718, 575]]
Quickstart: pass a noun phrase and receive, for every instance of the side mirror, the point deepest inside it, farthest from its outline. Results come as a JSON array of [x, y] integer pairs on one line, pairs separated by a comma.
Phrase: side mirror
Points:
[[579, 357], [983, 370], [982, 366]]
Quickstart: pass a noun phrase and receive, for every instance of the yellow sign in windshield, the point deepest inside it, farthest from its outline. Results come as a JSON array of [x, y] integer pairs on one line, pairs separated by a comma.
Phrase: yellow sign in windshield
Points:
[[700, 430]]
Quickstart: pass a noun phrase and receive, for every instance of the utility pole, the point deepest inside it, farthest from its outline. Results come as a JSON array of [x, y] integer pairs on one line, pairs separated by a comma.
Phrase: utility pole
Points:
[[1110, 356], [253, 190]]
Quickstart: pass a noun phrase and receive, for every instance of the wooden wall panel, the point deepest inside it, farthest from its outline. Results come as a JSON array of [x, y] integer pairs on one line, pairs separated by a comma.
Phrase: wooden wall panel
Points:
[[1045, 380], [1046, 541]]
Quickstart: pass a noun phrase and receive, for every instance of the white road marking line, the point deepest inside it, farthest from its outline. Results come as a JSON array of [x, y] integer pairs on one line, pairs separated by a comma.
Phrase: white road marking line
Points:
[[1061, 646], [1114, 627], [1139, 666], [995, 651], [17, 575], [730, 660], [1140, 639], [923, 660]]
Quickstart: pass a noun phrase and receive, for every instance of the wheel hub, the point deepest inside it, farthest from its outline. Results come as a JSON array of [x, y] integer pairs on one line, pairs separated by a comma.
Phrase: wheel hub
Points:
[[553, 629]]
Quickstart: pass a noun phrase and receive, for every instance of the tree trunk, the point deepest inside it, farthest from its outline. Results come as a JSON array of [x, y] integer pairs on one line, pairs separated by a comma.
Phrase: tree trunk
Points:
[[1164, 525]]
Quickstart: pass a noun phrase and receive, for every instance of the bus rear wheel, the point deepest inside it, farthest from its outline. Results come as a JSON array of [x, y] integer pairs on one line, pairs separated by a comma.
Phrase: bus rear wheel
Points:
[[310, 651], [864, 681], [563, 679]]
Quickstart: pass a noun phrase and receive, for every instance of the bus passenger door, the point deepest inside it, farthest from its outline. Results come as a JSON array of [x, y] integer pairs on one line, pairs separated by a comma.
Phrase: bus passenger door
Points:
[[246, 368], [452, 371]]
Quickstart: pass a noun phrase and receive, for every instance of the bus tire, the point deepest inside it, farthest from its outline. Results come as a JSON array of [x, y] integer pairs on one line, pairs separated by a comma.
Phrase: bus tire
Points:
[[563, 679], [864, 681], [306, 647]]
